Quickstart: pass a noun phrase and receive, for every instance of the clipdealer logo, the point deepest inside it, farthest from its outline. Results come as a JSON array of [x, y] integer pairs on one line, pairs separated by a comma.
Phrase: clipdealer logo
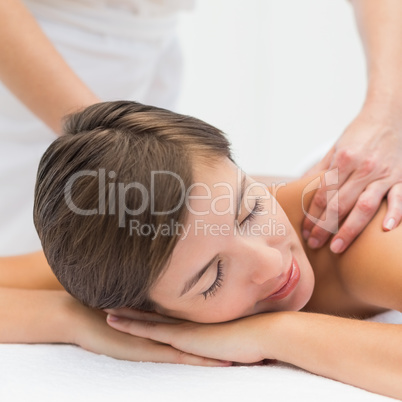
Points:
[[331, 221], [111, 199], [122, 188]]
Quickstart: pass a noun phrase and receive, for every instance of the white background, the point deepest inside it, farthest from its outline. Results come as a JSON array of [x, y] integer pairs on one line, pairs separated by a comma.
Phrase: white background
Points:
[[282, 78]]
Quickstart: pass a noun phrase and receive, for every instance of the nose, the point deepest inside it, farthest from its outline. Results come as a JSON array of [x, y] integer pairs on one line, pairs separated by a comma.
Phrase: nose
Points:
[[261, 262]]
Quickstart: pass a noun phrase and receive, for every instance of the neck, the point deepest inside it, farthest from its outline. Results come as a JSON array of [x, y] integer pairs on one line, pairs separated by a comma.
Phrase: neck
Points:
[[293, 197]]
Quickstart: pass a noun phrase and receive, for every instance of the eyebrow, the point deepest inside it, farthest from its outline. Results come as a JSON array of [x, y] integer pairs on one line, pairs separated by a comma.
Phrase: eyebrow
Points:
[[194, 280]]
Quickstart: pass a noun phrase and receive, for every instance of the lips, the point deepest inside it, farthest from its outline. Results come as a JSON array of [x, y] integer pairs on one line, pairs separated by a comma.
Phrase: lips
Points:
[[290, 283]]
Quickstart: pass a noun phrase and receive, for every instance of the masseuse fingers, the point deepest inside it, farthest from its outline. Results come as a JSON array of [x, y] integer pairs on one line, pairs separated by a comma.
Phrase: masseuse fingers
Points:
[[394, 214], [327, 187], [352, 199], [361, 214], [141, 315]]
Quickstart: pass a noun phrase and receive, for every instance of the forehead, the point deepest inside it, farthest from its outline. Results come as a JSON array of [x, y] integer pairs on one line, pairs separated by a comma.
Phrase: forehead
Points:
[[211, 207], [211, 184]]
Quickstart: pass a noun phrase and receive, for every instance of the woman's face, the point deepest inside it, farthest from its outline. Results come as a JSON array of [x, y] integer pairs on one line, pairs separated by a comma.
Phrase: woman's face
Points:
[[221, 270]]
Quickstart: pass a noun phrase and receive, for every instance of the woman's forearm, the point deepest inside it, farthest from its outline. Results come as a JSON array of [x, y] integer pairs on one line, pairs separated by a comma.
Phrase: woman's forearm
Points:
[[35, 316], [380, 28], [364, 354], [34, 71], [53, 316], [27, 271]]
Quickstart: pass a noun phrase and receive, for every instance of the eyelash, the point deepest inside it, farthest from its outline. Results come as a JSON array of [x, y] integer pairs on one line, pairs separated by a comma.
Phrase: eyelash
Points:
[[217, 283], [258, 207]]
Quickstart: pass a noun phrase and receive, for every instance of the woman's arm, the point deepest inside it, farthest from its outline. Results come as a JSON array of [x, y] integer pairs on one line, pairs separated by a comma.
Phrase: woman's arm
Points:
[[34, 71], [34, 316], [364, 354], [32, 310], [27, 271]]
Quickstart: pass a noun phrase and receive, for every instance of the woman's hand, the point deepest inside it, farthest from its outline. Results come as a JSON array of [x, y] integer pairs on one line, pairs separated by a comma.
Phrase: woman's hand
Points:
[[91, 332], [246, 340], [368, 157]]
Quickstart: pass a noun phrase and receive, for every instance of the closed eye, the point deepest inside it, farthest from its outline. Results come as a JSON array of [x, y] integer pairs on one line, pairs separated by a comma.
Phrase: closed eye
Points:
[[258, 207], [217, 283]]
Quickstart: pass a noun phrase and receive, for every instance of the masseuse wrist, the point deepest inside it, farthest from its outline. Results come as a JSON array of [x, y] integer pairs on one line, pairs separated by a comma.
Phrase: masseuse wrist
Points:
[[384, 96]]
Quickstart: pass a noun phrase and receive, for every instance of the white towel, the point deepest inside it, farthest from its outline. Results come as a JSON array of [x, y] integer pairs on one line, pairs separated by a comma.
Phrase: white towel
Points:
[[69, 373]]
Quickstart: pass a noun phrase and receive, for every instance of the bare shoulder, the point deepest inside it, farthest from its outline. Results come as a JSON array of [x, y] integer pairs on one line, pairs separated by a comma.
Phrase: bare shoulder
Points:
[[371, 268]]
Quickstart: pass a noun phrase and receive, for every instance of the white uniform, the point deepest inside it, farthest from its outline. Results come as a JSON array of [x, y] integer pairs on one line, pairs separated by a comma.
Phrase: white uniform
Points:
[[121, 49]]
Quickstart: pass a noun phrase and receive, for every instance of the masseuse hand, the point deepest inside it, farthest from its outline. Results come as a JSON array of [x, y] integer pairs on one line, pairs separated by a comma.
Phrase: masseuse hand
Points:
[[368, 157], [246, 340], [91, 332]]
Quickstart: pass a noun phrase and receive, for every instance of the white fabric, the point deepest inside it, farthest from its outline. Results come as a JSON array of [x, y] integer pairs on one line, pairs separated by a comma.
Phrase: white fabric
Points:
[[134, 57], [313, 157], [67, 373], [139, 7], [127, 18]]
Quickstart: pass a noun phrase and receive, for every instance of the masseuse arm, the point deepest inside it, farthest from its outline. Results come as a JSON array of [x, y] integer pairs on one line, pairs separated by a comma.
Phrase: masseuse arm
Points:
[[368, 154], [34, 71], [33, 309]]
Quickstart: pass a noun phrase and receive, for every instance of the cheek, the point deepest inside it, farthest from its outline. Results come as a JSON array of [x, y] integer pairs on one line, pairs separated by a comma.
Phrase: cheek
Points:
[[237, 302], [230, 305], [274, 222], [306, 285]]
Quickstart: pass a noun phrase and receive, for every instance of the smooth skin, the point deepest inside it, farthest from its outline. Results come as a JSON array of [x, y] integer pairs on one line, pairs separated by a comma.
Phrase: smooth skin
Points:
[[363, 281]]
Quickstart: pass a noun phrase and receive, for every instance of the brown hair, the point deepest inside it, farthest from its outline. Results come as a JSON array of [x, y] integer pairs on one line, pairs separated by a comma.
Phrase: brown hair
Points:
[[92, 253]]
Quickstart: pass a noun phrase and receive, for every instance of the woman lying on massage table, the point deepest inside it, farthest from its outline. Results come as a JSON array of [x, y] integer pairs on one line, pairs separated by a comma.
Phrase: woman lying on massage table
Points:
[[141, 208]]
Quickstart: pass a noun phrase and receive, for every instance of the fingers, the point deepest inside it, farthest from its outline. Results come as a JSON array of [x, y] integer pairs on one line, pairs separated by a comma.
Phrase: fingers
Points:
[[362, 213], [151, 349], [351, 195], [331, 207], [394, 213], [168, 354], [157, 331], [165, 333], [141, 315], [324, 212]]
